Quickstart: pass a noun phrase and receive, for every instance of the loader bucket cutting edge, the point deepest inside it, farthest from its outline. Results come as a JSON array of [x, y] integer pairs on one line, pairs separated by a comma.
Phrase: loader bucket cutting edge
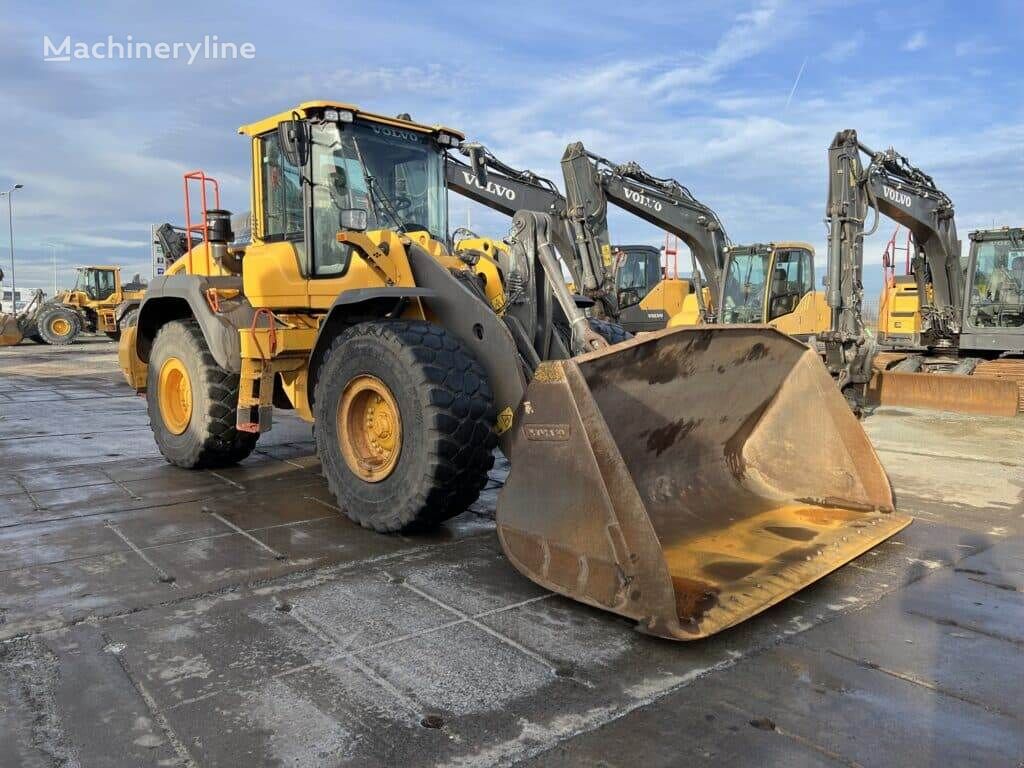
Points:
[[10, 333], [690, 478]]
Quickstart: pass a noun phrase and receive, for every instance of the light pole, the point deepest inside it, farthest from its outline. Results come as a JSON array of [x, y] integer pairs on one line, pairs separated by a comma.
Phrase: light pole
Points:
[[10, 227], [53, 262]]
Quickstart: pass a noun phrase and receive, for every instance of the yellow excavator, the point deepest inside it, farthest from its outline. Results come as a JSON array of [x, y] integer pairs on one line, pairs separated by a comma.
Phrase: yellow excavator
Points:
[[688, 479]]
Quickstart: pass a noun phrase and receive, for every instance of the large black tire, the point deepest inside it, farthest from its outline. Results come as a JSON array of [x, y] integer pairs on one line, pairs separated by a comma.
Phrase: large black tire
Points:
[[447, 417], [53, 321], [128, 319], [210, 440], [613, 333]]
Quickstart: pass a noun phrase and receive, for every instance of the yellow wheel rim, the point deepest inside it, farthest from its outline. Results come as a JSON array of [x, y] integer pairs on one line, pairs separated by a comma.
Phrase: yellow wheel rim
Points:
[[369, 428], [175, 395], [60, 326]]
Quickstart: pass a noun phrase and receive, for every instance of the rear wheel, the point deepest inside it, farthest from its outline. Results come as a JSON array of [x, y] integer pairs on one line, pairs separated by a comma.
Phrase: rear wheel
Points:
[[404, 424], [192, 401], [59, 326]]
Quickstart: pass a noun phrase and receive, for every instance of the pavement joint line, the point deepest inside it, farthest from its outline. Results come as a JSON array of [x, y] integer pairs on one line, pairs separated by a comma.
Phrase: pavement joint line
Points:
[[285, 461], [323, 503], [120, 484], [952, 457], [154, 710], [165, 577], [411, 635], [75, 434], [324, 571], [31, 497], [238, 529], [942, 621], [803, 740], [479, 625], [176, 542], [913, 680], [405, 699], [227, 480]]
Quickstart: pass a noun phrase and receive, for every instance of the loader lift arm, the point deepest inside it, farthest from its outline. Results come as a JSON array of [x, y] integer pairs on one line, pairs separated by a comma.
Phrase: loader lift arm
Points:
[[591, 182]]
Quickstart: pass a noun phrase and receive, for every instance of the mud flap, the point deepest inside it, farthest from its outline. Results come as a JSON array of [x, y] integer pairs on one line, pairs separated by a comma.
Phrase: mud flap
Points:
[[10, 333], [690, 478], [944, 392]]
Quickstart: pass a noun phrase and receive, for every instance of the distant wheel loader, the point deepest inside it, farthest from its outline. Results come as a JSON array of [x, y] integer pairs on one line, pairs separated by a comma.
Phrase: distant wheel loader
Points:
[[98, 303], [688, 479]]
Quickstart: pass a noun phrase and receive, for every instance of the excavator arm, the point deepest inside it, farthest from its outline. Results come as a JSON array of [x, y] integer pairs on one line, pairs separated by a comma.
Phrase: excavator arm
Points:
[[500, 187], [892, 186], [591, 182]]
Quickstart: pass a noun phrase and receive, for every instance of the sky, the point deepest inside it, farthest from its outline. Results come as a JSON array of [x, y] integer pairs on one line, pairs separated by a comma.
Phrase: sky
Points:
[[737, 100]]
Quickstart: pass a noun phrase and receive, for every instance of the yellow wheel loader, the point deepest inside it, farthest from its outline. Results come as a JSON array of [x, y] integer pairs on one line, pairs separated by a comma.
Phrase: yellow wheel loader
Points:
[[676, 479], [98, 303]]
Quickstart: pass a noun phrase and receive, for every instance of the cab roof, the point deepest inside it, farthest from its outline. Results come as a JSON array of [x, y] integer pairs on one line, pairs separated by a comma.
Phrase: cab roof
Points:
[[314, 108], [773, 245]]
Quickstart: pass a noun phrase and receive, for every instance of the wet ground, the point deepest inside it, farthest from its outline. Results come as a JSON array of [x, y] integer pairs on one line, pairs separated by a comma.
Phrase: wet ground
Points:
[[153, 616]]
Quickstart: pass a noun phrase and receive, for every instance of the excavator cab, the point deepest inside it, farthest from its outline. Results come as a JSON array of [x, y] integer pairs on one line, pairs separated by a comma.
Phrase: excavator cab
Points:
[[773, 283], [647, 294]]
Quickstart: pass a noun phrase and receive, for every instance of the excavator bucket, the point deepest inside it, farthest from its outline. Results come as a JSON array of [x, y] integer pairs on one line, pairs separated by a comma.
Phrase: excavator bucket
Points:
[[10, 333], [690, 478]]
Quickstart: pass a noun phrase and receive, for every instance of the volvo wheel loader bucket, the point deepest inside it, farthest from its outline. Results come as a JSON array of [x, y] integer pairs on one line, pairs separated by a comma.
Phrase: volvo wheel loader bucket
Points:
[[10, 333], [690, 478]]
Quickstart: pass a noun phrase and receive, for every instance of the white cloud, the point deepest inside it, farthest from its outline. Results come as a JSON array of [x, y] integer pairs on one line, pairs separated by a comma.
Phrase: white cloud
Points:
[[845, 48], [916, 42]]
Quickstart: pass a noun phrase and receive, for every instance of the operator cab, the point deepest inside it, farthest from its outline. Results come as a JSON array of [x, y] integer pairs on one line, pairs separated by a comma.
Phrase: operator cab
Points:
[[98, 283], [765, 282], [327, 166], [995, 279]]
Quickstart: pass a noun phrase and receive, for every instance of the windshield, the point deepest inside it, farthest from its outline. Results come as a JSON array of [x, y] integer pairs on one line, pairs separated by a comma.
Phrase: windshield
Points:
[[97, 284], [633, 274], [405, 178], [744, 287], [997, 298]]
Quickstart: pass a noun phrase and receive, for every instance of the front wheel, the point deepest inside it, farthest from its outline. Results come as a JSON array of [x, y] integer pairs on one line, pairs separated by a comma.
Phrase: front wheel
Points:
[[59, 326], [192, 401], [404, 421]]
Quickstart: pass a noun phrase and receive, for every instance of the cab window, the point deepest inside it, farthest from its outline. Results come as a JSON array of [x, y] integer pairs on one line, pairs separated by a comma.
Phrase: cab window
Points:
[[104, 284], [282, 193], [636, 273], [793, 276]]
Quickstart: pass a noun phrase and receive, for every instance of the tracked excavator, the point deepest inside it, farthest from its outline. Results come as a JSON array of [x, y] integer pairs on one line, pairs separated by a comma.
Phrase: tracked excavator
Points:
[[675, 479], [762, 283], [966, 352]]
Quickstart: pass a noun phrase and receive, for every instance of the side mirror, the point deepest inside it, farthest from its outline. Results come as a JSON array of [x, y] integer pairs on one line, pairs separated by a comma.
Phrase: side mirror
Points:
[[293, 136], [824, 281], [353, 219]]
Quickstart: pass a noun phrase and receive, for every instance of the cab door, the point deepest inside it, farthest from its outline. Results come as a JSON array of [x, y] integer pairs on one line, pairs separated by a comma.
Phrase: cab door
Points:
[[791, 304]]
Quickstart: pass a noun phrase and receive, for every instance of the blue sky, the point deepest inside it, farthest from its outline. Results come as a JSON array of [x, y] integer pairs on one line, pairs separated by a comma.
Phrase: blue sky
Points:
[[705, 92]]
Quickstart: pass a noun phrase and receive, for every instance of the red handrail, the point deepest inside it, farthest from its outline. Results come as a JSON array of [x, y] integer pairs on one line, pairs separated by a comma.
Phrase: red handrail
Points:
[[204, 182]]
